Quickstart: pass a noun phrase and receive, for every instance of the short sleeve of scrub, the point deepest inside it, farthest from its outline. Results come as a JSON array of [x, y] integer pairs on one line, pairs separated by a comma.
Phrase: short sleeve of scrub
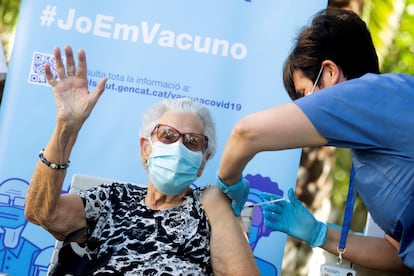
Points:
[[365, 113]]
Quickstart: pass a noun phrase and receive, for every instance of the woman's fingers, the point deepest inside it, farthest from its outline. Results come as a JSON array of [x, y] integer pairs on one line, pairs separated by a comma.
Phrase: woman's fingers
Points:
[[49, 76], [60, 68], [82, 67], [99, 89], [70, 69], [70, 62]]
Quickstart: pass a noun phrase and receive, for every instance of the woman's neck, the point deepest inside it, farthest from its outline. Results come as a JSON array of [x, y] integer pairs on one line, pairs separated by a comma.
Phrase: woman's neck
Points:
[[158, 201]]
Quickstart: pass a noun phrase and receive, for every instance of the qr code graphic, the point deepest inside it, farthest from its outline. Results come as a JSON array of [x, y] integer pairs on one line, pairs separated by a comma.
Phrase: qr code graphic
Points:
[[37, 70]]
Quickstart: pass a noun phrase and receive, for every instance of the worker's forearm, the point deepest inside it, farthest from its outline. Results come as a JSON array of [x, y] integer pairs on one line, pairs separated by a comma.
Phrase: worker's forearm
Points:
[[236, 155], [372, 252]]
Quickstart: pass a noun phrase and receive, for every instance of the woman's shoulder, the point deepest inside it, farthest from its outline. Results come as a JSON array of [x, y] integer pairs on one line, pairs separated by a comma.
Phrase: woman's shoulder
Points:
[[209, 191], [214, 198]]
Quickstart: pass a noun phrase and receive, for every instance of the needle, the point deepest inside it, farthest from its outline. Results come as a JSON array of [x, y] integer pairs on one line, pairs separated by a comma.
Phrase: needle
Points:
[[265, 202]]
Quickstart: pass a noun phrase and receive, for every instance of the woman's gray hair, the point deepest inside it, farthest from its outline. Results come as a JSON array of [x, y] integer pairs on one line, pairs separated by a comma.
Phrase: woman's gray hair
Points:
[[152, 118]]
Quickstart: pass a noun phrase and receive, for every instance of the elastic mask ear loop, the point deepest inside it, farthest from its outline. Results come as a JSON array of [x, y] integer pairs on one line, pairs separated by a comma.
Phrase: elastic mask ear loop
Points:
[[152, 146], [316, 81]]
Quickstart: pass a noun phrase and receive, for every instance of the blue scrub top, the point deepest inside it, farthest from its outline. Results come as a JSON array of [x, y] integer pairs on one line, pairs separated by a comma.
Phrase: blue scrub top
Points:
[[374, 117]]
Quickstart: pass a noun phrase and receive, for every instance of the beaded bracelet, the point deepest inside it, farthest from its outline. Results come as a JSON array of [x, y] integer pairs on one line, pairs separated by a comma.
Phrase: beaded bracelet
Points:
[[52, 165]]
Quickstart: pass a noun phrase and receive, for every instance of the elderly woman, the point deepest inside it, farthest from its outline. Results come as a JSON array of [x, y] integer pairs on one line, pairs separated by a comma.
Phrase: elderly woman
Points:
[[166, 228]]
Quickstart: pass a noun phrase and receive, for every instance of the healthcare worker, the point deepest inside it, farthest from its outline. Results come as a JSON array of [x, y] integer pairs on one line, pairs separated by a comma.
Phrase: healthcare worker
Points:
[[340, 99]]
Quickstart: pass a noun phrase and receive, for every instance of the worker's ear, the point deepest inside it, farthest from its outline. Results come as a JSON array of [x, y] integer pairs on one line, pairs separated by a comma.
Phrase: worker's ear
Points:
[[332, 74]]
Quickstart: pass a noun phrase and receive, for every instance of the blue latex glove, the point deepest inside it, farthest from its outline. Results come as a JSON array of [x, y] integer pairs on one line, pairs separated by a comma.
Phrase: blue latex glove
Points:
[[238, 193], [294, 219]]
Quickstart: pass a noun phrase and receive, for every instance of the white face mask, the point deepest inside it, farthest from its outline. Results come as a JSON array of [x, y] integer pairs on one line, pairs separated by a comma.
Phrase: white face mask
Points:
[[173, 167]]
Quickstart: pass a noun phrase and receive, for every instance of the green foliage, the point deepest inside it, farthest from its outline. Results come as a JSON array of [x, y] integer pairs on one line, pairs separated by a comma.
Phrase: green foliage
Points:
[[400, 56], [390, 23], [9, 11], [380, 16]]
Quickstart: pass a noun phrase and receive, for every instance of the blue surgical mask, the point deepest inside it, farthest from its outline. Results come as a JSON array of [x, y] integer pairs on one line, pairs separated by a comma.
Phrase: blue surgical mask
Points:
[[173, 167]]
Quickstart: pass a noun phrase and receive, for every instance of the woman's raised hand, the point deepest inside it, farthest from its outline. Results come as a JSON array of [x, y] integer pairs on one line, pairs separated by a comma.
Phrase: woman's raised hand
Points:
[[73, 100]]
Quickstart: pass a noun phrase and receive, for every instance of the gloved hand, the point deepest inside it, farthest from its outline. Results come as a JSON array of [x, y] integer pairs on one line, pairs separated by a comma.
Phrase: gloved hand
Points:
[[294, 219], [238, 193]]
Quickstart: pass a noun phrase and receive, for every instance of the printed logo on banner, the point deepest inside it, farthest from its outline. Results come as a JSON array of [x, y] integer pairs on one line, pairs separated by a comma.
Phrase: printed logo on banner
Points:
[[126, 84], [105, 26], [14, 247], [258, 230]]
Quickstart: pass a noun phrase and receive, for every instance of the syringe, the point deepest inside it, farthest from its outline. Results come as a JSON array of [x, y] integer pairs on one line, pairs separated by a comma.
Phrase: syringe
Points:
[[264, 202]]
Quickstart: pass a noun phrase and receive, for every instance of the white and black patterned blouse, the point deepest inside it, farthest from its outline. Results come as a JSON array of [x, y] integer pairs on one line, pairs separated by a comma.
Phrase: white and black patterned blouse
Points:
[[142, 241]]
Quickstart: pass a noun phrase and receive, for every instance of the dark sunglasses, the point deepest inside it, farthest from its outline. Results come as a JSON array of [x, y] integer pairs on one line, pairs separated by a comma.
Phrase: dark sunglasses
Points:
[[168, 135]]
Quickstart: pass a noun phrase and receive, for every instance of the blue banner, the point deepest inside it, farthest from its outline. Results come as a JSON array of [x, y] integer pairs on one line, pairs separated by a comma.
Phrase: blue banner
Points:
[[227, 55]]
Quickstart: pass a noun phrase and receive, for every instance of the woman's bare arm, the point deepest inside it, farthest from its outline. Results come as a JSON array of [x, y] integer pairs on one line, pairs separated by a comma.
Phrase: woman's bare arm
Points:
[[45, 206], [230, 250]]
